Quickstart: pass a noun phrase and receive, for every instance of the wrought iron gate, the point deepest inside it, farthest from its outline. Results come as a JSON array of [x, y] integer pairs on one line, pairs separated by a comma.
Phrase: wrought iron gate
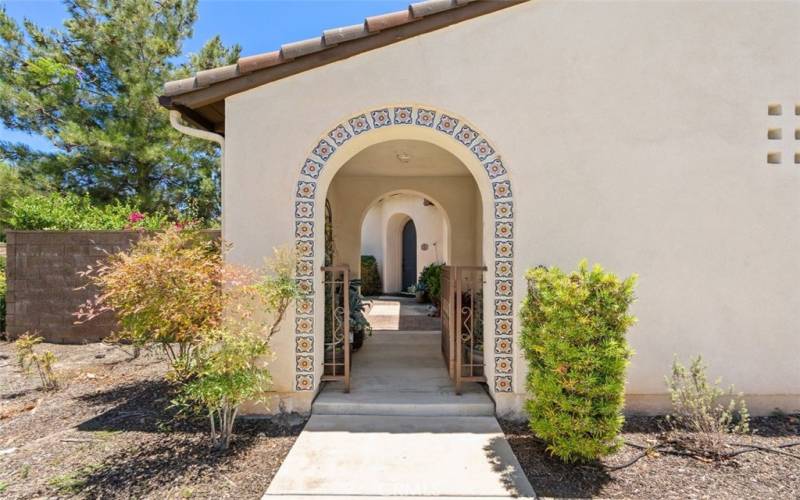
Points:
[[462, 323], [336, 360]]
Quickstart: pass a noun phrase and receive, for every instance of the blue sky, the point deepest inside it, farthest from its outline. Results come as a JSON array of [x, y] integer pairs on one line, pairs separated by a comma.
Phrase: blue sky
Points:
[[256, 25]]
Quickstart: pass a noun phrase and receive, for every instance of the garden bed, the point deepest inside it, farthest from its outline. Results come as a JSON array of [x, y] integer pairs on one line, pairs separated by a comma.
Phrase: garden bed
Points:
[[109, 432], [663, 475]]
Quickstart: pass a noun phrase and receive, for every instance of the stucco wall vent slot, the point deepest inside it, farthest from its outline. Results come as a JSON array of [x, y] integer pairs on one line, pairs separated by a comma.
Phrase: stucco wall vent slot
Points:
[[797, 134], [797, 109], [774, 158], [774, 110], [797, 158], [774, 134]]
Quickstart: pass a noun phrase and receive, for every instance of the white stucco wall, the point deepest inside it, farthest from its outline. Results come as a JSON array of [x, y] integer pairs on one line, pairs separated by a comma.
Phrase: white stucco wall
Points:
[[635, 134], [371, 236], [377, 229]]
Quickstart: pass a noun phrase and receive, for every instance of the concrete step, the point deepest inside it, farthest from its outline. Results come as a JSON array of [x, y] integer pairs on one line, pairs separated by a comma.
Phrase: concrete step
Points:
[[402, 374], [474, 402]]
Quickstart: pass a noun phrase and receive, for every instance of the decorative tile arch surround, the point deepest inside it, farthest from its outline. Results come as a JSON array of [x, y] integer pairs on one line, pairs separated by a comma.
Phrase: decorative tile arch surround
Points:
[[503, 241]]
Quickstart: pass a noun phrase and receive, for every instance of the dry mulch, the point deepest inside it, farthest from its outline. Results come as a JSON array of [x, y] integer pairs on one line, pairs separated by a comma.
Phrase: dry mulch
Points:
[[109, 432], [663, 475]]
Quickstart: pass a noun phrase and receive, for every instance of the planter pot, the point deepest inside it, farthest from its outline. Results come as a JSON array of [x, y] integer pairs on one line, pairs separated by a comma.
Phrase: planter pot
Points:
[[420, 297], [358, 339]]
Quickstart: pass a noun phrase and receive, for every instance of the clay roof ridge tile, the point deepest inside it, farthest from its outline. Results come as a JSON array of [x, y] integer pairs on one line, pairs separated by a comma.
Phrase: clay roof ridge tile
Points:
[[336, 36], [179, 86], [214, 75], [303, 47], [428, 7], [386, 21], [248, 64]]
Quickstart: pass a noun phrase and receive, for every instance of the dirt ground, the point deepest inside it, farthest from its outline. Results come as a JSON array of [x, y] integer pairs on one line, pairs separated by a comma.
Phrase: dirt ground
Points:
[[109, 432], [662, 475]]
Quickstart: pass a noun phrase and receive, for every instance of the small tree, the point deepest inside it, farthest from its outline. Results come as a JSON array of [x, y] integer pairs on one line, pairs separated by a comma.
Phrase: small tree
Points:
[[370, 277], [44, 361], [164, 291], [697, 403], [573, 336], [228, 368]]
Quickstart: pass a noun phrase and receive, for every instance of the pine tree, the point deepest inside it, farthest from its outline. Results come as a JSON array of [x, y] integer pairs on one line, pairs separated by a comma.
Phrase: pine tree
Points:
[[91, 88]]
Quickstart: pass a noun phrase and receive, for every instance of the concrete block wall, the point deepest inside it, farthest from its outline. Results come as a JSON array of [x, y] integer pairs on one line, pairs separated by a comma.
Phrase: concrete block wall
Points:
[[44, 285]]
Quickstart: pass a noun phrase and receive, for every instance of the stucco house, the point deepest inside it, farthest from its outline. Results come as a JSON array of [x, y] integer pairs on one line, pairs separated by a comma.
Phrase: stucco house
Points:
[[658, 137]]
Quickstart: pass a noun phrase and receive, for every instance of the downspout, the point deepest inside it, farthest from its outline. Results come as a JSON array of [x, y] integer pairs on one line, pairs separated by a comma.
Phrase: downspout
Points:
[[174, 120]]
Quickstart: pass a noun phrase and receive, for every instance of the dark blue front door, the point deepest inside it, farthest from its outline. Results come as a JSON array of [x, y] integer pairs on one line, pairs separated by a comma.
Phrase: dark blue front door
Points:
[[409, 255]]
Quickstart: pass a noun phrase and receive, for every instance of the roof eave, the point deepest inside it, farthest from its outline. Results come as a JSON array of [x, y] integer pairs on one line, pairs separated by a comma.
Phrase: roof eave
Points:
[[195, 98]]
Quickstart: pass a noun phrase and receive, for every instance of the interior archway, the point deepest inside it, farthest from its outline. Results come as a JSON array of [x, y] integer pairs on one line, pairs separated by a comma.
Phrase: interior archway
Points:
[[392, 261], [381, 227]]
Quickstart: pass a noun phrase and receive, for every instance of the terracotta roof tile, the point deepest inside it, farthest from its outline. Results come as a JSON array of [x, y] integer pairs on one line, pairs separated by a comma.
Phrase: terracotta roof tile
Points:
[[329, 38], [259, 61], [384, 21], [211, 76], [422, 9], [344, 34], [301, 48], [179, 86]]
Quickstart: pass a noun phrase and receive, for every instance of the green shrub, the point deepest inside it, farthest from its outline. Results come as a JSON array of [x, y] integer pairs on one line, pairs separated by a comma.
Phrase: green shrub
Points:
[[697, 403], [2, 294], [574, 339], [63, 212], [431, 279], [370, 277]]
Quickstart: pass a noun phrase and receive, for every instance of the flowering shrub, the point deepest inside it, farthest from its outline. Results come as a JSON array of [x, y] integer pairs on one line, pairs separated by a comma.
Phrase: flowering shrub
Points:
[[63, 212], [573, 336], [135, 217], [164, 291]]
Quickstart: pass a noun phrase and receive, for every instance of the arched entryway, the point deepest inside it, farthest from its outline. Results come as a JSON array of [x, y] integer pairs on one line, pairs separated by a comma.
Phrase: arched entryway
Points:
[[494, 222]]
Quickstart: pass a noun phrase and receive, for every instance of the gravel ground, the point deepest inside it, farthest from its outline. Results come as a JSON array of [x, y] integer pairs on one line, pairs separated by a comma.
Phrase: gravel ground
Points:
[[108, 432], [661, 475]]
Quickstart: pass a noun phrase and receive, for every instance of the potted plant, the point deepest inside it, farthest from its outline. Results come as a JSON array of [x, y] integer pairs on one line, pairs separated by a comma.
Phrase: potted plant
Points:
[[419, 290], [359, 326], [431, 276]]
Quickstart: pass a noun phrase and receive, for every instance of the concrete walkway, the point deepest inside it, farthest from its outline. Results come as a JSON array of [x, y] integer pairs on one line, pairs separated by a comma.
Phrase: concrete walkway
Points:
[[402, 431], [340, 456], [401, 313]]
